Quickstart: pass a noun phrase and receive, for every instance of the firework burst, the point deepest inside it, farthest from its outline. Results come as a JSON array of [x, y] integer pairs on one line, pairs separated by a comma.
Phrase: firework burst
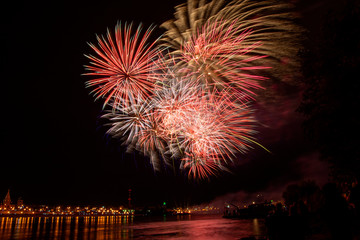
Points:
[[218, 128], [231, 43], [193, 103], [174, 102], [214, 132], [124, 66], [129, 123], [218, 56]]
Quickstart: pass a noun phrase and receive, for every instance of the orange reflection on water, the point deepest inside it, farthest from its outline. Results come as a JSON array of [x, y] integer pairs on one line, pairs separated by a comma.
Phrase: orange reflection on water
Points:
[[99, 228], [127, 227]]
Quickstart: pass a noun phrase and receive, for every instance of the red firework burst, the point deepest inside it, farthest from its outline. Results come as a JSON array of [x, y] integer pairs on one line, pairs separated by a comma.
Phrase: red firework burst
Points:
[[124, 66]]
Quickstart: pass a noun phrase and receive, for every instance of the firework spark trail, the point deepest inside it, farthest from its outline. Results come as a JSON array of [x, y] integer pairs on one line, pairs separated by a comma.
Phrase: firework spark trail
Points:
[[125, 66]]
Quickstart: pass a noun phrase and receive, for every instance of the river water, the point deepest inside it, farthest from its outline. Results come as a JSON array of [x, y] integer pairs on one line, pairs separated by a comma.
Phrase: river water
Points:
[[119, 227]]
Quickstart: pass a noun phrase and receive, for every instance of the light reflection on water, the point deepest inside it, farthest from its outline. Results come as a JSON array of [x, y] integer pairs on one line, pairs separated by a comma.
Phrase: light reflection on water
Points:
[[120, 227]]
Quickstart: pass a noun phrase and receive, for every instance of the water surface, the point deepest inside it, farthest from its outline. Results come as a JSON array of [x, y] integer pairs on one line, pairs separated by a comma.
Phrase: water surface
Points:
[[119, 227]]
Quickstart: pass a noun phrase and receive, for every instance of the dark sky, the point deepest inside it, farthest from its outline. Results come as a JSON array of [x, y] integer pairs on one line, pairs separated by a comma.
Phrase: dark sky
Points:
[[54, 148]]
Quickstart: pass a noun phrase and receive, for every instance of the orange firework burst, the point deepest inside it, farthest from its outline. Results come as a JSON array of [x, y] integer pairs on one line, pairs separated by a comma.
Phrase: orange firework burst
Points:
[[229, 43], [218, 55]]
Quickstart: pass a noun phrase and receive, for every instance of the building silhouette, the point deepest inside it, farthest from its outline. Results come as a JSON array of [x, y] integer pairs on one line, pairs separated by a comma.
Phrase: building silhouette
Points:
[[7, 200]]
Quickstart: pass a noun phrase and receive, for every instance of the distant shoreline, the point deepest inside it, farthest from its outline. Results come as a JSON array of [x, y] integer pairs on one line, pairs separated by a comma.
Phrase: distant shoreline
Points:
[[60, 215]]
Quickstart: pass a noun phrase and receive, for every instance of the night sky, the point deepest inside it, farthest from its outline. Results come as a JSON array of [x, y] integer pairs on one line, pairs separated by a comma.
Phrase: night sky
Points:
[[54, 146]]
